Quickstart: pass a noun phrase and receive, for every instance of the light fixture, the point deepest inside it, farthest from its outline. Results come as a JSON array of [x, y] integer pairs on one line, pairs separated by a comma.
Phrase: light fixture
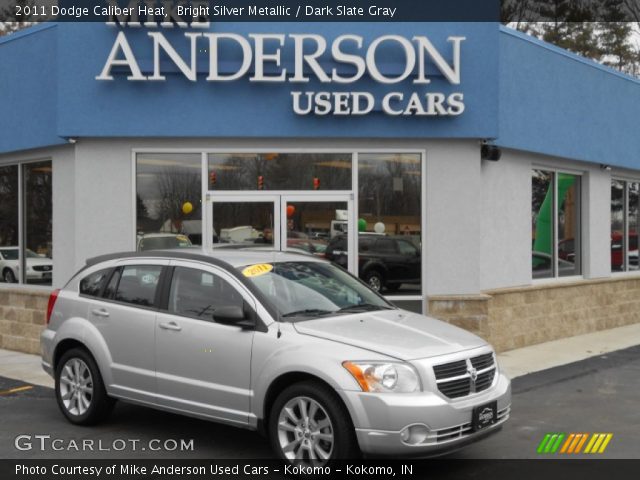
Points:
[[72, 140], [606, 167]]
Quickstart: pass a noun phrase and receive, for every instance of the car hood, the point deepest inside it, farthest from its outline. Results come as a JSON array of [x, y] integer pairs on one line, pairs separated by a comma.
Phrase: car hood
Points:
[[396, 333]]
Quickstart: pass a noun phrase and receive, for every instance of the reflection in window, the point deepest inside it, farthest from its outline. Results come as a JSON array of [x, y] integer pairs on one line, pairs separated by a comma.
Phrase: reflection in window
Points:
[[568, 188], [625, 210], [9, 223], [389, 201], [565, 259], [617, 225], [168, 200], [198, 294], [244, 223], [273, 171], [38, 222]]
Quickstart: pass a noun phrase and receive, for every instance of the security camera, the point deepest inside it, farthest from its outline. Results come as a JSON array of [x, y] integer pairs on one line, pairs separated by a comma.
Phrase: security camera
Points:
[[490, 152]]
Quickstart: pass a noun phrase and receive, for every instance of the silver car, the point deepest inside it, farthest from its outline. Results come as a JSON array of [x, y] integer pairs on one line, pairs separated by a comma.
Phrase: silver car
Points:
[[283, 343]]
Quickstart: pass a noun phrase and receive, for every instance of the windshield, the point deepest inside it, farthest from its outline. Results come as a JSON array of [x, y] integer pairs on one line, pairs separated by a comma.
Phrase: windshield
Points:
[[312, 289]]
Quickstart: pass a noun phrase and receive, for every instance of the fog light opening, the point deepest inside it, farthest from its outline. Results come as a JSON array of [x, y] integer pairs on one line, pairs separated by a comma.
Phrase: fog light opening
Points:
[[414, 435]]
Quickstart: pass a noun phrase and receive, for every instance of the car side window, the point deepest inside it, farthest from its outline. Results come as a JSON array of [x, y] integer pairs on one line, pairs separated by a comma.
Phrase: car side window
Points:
[[138, 284], [197, 294], [406, 248], [91, 285], [385, 245]]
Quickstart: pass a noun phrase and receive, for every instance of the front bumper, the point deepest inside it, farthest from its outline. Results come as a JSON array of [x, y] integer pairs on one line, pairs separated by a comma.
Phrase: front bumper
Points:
[[379, 419]]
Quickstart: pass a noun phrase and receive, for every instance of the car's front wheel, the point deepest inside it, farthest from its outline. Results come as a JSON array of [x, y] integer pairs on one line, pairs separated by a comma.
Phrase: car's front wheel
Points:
[[80, 391], [309, 425], [374, 279], [8, 276]]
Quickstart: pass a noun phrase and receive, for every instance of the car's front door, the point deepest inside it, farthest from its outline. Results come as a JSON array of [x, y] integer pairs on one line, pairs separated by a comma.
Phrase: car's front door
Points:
[[202, 366]]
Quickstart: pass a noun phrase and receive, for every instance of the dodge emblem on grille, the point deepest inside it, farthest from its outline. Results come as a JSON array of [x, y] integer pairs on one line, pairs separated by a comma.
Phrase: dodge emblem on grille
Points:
[[473, 373]]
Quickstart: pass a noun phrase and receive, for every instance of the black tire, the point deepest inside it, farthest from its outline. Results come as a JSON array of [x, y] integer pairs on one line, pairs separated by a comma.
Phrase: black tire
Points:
[[8, 276], [100, 404], [375, 280], [344, 445]]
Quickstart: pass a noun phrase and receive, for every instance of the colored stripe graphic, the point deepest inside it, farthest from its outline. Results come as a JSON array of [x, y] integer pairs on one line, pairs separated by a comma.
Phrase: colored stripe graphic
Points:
[[598, 443], [573, 443]]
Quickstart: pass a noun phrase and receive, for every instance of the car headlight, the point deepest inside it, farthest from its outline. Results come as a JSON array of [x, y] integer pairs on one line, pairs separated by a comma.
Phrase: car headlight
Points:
[[384, 376]]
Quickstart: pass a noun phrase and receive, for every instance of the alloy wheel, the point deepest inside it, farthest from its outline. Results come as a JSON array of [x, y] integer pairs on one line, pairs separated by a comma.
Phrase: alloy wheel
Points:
[[76, 386], [305, 432]]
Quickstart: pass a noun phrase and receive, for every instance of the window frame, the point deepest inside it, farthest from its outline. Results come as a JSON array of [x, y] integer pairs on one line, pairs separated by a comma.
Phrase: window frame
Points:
[[555, 278], [355, 151], [625, 224], [22, 220]]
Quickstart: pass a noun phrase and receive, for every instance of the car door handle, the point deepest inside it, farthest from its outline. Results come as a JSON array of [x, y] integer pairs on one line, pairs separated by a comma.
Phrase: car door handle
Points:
[[170, 326], [100, 312]]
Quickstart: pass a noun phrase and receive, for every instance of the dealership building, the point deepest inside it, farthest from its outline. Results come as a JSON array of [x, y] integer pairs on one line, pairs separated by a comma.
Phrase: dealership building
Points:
[[466, 170]]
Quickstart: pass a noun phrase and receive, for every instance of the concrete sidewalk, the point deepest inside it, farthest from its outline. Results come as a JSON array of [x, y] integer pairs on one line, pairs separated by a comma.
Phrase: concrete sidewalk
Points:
[[27, 368]]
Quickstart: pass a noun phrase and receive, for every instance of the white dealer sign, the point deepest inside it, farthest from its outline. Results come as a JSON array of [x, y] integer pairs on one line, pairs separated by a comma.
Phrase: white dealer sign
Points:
[[261, 62]]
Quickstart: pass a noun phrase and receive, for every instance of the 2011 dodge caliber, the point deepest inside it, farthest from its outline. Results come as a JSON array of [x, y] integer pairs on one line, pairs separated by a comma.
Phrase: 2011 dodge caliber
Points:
[[287, 344]]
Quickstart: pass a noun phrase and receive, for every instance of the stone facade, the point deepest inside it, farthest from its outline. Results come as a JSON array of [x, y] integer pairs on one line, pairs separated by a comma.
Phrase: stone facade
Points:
[[22, 318], [507, 318], [517, 317]]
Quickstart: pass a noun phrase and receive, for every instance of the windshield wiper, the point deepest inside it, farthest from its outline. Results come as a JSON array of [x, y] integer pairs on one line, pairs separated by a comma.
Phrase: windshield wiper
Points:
[[363, 307], [307, 311]]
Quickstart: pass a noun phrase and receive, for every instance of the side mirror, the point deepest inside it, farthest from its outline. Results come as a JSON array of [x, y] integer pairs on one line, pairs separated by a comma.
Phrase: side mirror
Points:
[[234, 315]]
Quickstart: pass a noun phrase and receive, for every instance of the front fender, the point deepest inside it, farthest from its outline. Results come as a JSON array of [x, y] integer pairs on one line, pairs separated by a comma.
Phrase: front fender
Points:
[[292, 352]]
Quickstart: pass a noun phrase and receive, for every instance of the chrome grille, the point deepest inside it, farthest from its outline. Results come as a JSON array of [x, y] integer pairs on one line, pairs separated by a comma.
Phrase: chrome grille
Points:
[[456, 379], [42, 268]]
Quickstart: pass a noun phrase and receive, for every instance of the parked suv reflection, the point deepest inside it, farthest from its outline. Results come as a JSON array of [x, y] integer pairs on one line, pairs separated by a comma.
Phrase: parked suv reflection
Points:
[[385, 262]]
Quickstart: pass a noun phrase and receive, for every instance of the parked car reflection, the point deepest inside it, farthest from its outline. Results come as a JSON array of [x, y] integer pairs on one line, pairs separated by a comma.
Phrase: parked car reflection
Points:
[[39, 267]]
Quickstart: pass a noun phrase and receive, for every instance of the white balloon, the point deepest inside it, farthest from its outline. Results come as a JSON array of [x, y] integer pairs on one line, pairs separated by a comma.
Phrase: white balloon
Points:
[[379, 227]]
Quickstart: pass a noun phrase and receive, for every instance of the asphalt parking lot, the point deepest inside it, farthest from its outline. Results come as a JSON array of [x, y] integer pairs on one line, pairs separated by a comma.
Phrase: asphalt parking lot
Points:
[[599, 394]]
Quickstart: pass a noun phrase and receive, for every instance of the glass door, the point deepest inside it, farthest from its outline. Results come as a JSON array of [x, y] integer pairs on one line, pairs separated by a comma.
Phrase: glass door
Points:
[[247, 219], [319, 224]]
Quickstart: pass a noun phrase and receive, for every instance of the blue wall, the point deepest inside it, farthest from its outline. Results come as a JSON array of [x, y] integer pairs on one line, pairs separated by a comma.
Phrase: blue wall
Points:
[[557, 103], [28, 89], [526, 94], [177, 107]]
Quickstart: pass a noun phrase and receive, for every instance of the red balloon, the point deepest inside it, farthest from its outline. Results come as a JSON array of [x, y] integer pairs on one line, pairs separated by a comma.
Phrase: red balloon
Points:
[[290, 211]]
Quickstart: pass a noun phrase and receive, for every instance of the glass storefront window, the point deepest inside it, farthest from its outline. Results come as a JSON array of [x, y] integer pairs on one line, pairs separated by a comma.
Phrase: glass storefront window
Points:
[[625, 213], [617, 225], [9, 195], [632, 226], [32, 261], [389, 222], [38, 222], [168, 200], [555, 222], [280, 171]]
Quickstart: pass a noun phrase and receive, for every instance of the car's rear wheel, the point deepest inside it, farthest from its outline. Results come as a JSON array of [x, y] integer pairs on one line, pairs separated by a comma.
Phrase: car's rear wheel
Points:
[[374, 279], [80, 391], [309, 425], [8, 276]]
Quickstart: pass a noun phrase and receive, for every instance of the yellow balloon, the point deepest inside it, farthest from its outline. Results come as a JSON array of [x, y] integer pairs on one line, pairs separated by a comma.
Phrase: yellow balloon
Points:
[[187, 208]]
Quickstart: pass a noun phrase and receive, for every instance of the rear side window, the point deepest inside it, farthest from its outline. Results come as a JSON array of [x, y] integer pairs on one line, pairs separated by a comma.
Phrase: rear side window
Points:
[[91, 285], [196, 294], [138, 284], [385, 245]]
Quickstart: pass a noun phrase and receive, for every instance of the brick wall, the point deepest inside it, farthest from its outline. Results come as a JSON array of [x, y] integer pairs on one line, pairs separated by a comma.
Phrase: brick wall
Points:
[[22, 318], [517, 317]]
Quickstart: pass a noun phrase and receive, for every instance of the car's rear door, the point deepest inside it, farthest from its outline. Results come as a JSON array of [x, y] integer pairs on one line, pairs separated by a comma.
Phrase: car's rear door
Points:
[[125, 317], [202, 366]]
